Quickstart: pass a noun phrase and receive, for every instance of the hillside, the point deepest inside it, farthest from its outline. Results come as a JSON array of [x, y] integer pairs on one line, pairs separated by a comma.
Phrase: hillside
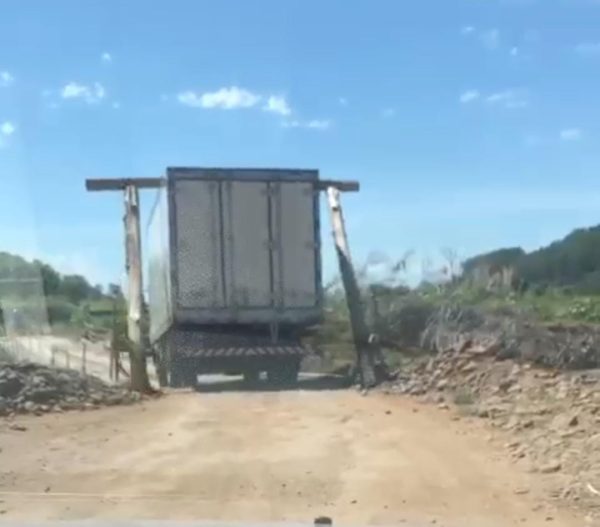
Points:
[[573, 262]]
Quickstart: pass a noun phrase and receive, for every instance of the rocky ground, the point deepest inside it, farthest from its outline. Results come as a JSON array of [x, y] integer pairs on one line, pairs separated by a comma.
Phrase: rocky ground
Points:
[[548, 418], [34, 388]]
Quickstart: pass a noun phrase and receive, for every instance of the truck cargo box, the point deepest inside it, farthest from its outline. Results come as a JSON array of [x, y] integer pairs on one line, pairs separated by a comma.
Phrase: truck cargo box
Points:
[[235, 246]]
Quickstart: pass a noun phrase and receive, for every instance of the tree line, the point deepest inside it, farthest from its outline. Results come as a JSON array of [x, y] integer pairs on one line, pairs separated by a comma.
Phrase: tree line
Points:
[[572, 263], [28, 279]]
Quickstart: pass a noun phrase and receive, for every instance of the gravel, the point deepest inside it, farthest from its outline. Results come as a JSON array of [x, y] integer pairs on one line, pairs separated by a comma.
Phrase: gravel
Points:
[[37, 389], [536, 386]]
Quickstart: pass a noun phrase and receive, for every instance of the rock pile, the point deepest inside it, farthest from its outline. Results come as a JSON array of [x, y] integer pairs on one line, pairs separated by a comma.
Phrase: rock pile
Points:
[[547, 418], [34, 388]]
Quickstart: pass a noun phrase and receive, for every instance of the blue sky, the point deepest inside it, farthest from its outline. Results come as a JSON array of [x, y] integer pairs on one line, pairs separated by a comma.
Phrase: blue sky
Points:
[[471, 124]]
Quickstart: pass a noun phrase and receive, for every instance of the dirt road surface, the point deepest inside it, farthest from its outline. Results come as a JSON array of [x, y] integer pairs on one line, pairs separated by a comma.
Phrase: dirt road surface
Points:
[[267, 456]]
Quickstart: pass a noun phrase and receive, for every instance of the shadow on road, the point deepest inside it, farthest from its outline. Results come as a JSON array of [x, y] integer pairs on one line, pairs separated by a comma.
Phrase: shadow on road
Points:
[[307, 381]]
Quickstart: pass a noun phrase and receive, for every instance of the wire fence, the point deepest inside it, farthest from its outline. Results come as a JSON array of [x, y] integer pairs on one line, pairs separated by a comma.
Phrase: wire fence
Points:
[[85, 356]]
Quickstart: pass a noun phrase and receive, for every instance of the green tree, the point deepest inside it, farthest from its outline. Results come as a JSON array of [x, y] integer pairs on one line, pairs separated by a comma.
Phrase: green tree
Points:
[[51, 279], [75, 287], [115, 291]]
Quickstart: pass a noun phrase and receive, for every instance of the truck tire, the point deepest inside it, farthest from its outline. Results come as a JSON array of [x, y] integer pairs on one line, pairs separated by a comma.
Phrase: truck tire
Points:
[[284, 374], [251, 377], [291, 372], [162, 372], [182, 378]]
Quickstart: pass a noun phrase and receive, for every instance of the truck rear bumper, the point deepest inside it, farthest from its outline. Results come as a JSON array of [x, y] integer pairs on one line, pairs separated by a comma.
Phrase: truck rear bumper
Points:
[[186, 353], [230, 341]]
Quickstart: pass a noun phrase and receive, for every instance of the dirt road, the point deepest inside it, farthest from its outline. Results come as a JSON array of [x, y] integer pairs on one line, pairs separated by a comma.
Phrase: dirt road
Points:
[[272, 456]]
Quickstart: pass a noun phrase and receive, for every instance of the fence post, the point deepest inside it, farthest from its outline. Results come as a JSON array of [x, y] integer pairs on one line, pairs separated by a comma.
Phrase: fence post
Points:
[[83, 356]]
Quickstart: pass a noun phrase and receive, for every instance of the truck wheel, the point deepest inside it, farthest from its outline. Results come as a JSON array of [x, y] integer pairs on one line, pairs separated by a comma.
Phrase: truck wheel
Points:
[[284, 374], [176, 379], [251, 377], [162, 372], [291, 372], [183, 378]]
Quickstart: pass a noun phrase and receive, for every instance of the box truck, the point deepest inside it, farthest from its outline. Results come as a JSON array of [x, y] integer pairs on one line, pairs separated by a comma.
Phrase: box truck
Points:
[[234, 272]]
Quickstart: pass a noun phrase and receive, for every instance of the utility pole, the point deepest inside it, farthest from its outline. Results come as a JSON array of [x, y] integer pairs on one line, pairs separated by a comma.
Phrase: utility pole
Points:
[[133, 254], [360, 331], [137, 357]]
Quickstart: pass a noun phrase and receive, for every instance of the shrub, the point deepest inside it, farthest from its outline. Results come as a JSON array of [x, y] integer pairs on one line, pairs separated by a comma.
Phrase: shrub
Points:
[[60, 310]]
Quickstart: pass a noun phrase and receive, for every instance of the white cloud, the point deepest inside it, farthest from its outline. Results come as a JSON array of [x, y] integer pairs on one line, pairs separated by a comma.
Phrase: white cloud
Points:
[[90, 94], [491, 38], [116, 105], [514, 51], [469, 96], [99, 91], [6, 79], [343, 101], [388, 112], [277, 104], [315, 124], [224, 98], [571, 134], [320, 124], [510, 99], [499, 96], [73, 90], [588, 49], [190, 98], [106, 57], [466, 30], [50, 99], [7, 128]]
